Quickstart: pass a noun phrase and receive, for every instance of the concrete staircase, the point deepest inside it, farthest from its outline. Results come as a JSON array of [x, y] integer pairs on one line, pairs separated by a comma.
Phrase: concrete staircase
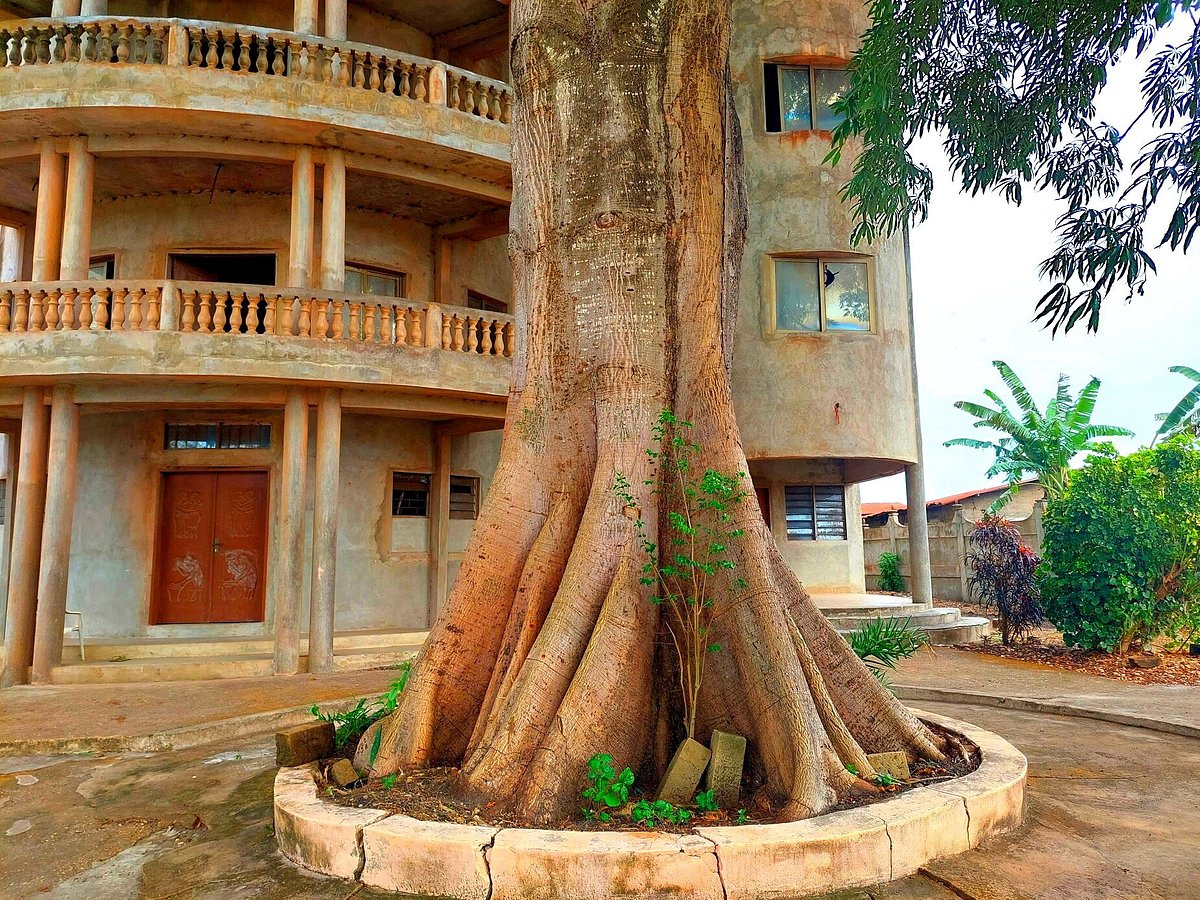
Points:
[[945, 625], [193, 659]]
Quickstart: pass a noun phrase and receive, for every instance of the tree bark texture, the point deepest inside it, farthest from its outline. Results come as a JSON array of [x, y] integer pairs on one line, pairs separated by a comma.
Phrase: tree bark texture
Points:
[[628, 223]]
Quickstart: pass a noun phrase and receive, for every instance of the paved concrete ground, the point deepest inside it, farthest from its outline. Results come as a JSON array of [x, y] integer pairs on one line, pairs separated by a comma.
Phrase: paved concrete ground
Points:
[[963, 670], [1114, 812], [66, 712]]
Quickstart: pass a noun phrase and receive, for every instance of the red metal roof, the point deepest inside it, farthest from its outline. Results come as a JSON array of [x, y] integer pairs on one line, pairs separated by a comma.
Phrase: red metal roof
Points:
[[874, 509]]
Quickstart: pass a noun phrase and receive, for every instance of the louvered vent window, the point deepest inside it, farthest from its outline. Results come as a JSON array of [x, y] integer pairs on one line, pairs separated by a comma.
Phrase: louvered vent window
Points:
[[464, 497], [815, 512]]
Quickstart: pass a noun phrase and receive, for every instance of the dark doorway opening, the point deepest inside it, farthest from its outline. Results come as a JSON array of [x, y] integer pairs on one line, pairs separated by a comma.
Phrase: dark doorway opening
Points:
[[225, 268]]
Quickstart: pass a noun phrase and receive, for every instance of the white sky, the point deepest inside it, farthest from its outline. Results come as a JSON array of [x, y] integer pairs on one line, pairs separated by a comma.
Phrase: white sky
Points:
[[975, 284]]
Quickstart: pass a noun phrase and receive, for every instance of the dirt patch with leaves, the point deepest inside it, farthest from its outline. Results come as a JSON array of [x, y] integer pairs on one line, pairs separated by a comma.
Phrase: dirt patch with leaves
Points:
[[1047, 648], [429, 795]]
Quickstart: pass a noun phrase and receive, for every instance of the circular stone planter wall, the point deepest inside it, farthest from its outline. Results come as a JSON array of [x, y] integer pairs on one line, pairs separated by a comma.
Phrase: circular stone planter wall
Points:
[[853, 848]]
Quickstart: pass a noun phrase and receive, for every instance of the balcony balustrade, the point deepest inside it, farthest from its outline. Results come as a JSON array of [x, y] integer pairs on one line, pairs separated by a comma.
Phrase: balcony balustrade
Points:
[[244, 51], [249, 311]]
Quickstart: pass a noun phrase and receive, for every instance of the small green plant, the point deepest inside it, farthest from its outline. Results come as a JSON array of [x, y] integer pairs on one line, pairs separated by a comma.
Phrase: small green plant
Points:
[[890, 579], [353, 722], [652, 813], [606, 789], [742, 818], [883, 779], [697, 534], [852, 769], [881, 643], [388, 781], [706, 801]]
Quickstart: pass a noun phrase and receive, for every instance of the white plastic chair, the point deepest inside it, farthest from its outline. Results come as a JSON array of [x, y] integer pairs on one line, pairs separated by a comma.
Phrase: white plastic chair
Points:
[[78, 629]]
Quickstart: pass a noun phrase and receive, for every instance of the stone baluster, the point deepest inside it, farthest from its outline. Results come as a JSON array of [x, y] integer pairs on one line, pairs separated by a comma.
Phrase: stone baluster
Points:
[[304, 326], [389, 77], [100, 323], [260, 58], [279, 63], [220, 316], [21, 317], [243, 60], [123, 44], [400, 315], [194, 57], [235, 317], [252, 301], [322, 328], [485, 346], [37, 311], [187, 321], [134, 298], [509, 330], [473, 334], [344, 65], [339, 326], [374, 66], [456, 332], [468, 96], [85, 309], [499, 343], [327, 64], [289, 316], [270, 319], [105, 44], [210, 55], [57, 53], [67, 313], [417, 332], [447, 339], [354, 310], [6, 299], [204, 319], [369, 322], [51, 305], [226, 40], [154, 309], [118, 309], [42, 47], [360, 74], [506, 107]]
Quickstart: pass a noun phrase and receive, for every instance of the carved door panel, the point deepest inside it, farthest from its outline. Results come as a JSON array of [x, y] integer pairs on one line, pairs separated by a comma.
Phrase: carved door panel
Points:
[[212, 546], [239, 545]]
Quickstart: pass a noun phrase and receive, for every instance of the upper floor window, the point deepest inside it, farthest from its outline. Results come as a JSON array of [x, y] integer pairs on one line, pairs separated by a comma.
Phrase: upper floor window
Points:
[[800, 98], [476, 300], [374, 282], [815, 512], [102, 268], [217, 436], [818, 294]]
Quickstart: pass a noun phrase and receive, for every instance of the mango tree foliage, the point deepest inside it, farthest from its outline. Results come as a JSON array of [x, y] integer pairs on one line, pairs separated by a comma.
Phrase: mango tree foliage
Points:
[[1010, 86]]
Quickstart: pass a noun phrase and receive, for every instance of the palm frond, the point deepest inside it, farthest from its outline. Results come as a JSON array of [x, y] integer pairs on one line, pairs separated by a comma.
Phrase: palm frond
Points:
[[1015, 386], [1085, 406], [1182, 413]]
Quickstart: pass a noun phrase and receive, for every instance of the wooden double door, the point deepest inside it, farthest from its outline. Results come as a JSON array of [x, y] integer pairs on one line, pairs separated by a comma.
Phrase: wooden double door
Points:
[[212, 543]]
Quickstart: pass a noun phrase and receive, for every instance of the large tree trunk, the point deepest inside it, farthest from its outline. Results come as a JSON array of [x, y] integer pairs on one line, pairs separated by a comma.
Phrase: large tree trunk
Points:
[[627, 229]]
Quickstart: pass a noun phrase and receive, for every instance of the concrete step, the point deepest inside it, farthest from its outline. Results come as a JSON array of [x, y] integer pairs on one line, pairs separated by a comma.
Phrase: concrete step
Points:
[[106, 650], [917, 617], [216, 667], [960, 630], [866, 603]]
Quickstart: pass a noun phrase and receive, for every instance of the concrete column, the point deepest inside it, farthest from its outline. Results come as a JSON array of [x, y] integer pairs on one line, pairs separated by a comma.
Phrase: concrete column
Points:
[[26, 524], [290, 583], [335, 19], [914, 475], [918, 535], [439, 522], [305, 17], [56, 533], [48, 225], [300, 250], [443, 260], [333, 221], [325, 520], [94, 8], [77, 219], [65, 8], [12, 247]]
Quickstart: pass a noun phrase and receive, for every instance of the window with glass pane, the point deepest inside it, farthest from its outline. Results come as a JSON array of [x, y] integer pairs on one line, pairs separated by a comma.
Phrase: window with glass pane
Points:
[[101, 268], [795, 93], [815, 512], [217, 436], [847, 297], [374, 282], [828, 85], [797, 295]]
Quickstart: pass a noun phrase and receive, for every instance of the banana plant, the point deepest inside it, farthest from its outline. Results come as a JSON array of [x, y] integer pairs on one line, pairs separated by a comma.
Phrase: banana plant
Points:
[[1034, 442], [1186, 414]]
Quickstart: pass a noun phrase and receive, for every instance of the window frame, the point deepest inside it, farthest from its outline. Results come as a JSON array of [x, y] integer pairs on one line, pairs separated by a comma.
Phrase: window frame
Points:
[[422, 479], [821, 259], [474, 297], [221, 430], [779, 67], [381, 272], [109, 261], [474, 484], [817, 536]]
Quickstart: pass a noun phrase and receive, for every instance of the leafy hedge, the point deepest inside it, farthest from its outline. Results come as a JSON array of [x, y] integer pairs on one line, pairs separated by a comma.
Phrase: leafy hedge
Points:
[[1121, 556]]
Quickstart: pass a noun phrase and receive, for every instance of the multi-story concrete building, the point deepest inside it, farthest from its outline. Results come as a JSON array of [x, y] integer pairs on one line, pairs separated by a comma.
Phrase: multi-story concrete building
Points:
[[255, 324]]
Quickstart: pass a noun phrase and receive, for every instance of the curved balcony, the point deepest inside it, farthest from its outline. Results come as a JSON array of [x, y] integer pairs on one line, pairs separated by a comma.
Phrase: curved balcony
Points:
[[171, 330], [82, 74]]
